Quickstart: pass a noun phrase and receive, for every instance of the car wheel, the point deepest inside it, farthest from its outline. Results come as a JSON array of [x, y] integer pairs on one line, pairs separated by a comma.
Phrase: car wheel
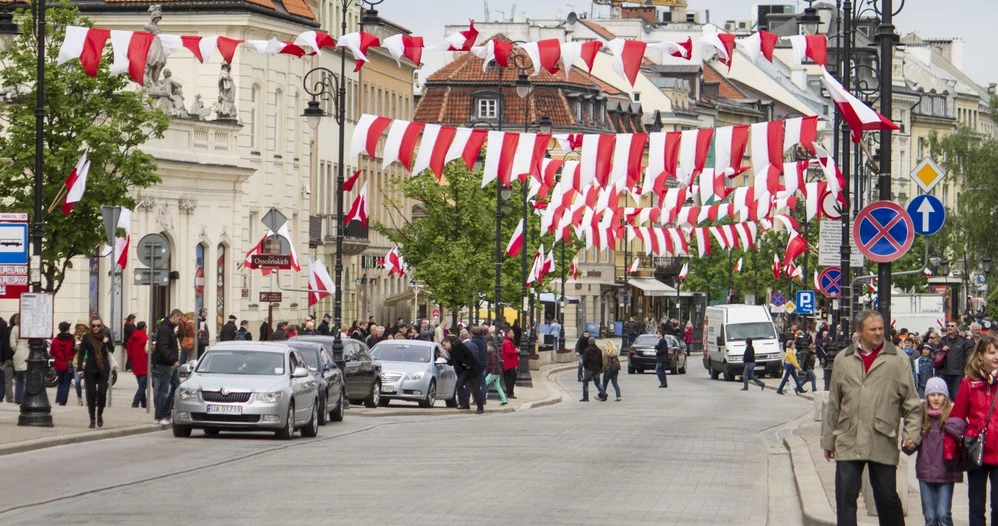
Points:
[[728, 376], [336, 415], [375, 396], [311, 429], [431, 395], [289, 426], [714, 374], [322, 409], [383, 402], [630, 370], [181, 431], [211, 432]]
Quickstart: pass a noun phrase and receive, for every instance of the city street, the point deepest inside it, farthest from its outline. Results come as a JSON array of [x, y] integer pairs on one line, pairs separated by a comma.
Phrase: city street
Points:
[[695, 453]]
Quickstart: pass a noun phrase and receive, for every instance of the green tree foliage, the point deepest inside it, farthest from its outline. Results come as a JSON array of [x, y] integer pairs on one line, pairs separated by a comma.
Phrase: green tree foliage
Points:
[[102, 112]]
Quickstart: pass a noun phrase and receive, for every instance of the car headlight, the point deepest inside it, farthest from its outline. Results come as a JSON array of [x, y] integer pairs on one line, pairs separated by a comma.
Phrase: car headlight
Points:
[[269, 398], [187, 394], [416, 376]]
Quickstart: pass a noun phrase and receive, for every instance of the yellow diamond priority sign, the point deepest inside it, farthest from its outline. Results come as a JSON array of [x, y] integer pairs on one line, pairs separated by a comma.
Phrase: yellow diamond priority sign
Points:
[[927, 174]]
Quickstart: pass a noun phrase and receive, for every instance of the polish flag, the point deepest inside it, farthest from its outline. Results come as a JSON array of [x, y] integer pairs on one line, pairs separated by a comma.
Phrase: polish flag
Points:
[[627, 56], [548, 262], [796, 272], [76, 183], [493, 51], [675, 49], [795, 247], [227, 47], [315, 40], [406, 46], [367, 133], [870, 289], [927, 271], [684, 272], [729, 146], [358, 44], [767, 154], [543, 53], [857, 115], [814, 47], [131, 49], [277, 47], [395, 263], [760, 44], [256, 250], [463, 40], [85, 44], [432, 149], [572, 51], [776, 266], [348, 184], [634, 266], [515, 242], [203, 48], [467, 145], [802, 131], [358, 210], [724, 43], [738, 265], [401, 143], [286, 234], [574, 267], [320, 285], [121, 243]]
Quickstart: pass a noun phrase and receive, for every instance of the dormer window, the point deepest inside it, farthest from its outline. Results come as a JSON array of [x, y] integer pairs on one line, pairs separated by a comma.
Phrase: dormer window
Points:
[[488, 108]]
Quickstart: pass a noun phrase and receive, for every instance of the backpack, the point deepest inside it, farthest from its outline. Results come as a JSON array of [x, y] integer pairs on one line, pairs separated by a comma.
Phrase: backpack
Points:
[[242, 335], [614, 364]]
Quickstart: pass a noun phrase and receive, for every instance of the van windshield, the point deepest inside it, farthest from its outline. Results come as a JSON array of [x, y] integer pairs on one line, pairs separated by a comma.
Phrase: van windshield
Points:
[[757, 331]]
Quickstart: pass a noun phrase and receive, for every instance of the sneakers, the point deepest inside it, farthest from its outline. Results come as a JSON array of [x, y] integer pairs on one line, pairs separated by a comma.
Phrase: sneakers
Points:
[[602, 398], [584, 400], [744, 388], [503, 403], [479, 411], [164, 421], [663, 386], [618, 399]]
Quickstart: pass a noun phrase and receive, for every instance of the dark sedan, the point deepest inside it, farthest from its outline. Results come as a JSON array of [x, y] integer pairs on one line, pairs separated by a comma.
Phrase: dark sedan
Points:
[[641, 355], [362, 374], [332, 395]]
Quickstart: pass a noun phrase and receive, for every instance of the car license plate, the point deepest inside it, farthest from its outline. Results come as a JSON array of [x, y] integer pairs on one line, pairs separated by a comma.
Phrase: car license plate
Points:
[[225, 410], [387, 388]]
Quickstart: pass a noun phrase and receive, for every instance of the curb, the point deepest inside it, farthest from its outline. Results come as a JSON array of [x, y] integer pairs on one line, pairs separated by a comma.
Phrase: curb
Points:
[[42, 443], [431, 412], [813, 502]]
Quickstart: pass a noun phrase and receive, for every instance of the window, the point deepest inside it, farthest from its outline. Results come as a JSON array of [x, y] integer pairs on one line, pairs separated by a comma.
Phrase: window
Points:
[[637, 96], [279, 123], [297, 138], [254, 116], [488, 108]]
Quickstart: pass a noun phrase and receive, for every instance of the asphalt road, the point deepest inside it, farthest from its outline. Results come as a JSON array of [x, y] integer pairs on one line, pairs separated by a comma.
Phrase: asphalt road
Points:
[[689, 454]]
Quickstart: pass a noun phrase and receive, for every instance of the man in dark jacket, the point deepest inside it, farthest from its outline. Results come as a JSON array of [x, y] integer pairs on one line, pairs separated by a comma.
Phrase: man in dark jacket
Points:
[[592, 360], [6, 363], [228, 332], [662, 360], [204, 335], [165, 360], [580, 349], [126, 333], [471, 372], [481, 351], [324, 326], [957, 349]]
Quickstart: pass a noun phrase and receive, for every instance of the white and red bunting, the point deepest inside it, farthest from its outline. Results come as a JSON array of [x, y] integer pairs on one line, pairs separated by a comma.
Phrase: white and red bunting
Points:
[[320, 285], [857, 115], [573, 51], [494, 50], [760, 44], [358, 210], [814, 47], [406, 46], [627, 57], [724, 44], [515, 244]]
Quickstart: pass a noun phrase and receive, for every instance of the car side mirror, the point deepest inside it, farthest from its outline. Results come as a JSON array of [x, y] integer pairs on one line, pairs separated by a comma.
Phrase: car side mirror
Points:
[[329, 366], [186, 368], [299, 372], [440, 361]]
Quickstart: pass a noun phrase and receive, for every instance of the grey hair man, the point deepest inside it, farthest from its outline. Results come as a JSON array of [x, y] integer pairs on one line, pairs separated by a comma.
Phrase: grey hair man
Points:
[[871, 391]]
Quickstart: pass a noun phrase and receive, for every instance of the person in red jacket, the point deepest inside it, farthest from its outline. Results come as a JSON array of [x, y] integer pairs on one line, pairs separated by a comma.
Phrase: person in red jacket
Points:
[[970, 410], [62, 352], [137, 354], [510, 363]]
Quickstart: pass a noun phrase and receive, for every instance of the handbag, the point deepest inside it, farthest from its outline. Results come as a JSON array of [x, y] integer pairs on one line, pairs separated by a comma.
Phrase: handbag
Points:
[[972, 448]]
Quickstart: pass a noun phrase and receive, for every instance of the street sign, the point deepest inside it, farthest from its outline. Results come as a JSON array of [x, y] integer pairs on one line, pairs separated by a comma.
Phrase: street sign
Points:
[[927, 213], [435, 313], [154, 250], [790, 307], [274, 220], [829, 246], [829, 207], [14, 245], [927, 174], [778, 299], [830, 282], [805, 302], [148, 276], [270, 297], [199, 281], [272, 261], [110, 214], [883, 231], [37, 318]]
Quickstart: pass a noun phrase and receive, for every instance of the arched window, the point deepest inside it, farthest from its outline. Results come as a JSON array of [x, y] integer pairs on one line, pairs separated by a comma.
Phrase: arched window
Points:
[[221, 280]]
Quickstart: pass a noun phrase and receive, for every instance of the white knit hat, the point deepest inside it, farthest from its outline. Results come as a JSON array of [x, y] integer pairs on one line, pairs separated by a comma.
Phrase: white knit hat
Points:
[[936, 385]]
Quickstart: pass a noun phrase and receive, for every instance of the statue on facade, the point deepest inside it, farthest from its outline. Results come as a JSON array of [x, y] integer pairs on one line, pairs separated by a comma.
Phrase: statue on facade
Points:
[[225, 107], [171, 96], [198, 110], [156, 60]]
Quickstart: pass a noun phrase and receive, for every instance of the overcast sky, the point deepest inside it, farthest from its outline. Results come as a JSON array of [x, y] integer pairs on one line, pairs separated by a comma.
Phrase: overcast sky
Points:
[[971, 20]]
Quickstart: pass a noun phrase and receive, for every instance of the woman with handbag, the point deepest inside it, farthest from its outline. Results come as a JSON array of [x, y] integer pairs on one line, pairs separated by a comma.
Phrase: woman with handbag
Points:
[[96, 364], [185, 335], [972, 429]]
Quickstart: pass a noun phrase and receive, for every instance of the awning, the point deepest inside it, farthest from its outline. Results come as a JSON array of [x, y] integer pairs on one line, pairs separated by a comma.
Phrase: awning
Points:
[[652, 287], [402, 297], [550, 297]]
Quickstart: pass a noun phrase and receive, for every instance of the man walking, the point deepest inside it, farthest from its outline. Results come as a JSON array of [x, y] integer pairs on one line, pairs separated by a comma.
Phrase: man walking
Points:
[[165, 361], [955, 348], [593, 364], [204, 336], [228, 332], [870, 392], [555, 331], [471, 372], [323, 328], [580, 349], [662, 361]]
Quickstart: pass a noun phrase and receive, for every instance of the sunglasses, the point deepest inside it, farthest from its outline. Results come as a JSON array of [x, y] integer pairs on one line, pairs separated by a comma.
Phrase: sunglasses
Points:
[[95, 326]]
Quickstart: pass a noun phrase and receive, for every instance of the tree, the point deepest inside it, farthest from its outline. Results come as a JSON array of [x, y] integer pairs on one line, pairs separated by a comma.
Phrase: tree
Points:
[[101, 113]]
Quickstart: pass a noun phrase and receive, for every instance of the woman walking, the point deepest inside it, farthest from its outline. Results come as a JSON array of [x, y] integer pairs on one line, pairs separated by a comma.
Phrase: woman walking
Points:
[[592, 363], [611, 368], [139, 356], [493, 368], [510, 363], [21, 352], [790, 367], [62, 352], [95, 367], [749, 373], [79, 332], [185, 335]]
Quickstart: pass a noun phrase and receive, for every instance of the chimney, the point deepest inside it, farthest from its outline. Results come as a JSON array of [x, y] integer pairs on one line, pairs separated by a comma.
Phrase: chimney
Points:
[[644, 13]]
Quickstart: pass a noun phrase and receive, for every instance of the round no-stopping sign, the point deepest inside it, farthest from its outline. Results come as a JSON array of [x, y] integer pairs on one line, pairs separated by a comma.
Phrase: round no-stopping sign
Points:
[[830, 282], [883, 231]]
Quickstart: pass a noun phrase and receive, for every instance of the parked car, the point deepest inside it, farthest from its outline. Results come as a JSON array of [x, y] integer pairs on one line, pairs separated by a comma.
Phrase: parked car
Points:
[[415, 370], [332, 393], [642, 356], [362, 375], [248, 386]]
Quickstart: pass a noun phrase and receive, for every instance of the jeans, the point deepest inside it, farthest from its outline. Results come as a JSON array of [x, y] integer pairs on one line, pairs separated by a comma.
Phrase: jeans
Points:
[[62, 388], [952, 383], [977, 493], [485, 387], [937, 503], [809, 376], [495, 380], [472, 380], [580, 367], [7, 372], [19, 378], [77, 379], [140, 394], [183, 356], [749, 375], [789, 372], [660, 371], [594, 376], [509, 381], [848, 479], [611, 376], [162, 383]]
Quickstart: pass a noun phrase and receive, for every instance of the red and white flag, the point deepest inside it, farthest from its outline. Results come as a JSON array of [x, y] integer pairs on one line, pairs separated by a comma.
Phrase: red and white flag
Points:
[[627, 57], [675, 49], [406, 46], [738, 265], [358, 210], [814, 47], [493, 51], [463, 40], [543, 53], [358, 44], [395, 263], [315, 40], [572, 51], [367, 133], [85, 44], [634, 266], [759, 44], [286, 234], [858, 115], [684, 272], [515, 242], [121, 243], [278, 47], [574, 268], [927, 271], [320, 285], [776, 266], [77, 184], [256, 250], [348, 184], [131, 49], [724, 43]]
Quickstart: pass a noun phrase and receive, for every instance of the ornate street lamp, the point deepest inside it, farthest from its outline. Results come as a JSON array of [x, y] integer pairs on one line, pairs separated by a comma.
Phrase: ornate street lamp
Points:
[[809, 21]]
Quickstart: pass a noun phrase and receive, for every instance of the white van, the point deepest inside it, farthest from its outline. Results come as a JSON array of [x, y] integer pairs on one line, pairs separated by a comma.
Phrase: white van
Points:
[[725, 330]]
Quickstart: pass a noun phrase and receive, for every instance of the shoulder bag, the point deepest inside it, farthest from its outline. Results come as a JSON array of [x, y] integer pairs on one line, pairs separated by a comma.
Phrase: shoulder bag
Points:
[[972, 448]]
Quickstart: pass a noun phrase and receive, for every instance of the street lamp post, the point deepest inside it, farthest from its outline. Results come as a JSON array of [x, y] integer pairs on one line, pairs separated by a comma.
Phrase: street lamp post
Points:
[[887, 39]]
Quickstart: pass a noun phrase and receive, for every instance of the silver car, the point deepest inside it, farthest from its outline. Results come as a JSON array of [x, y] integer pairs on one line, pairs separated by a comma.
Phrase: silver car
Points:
[[248, 386], [414, 370]]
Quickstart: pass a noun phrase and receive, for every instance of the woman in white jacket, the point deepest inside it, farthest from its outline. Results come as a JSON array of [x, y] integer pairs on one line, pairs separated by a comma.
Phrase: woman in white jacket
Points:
[[21, 350]]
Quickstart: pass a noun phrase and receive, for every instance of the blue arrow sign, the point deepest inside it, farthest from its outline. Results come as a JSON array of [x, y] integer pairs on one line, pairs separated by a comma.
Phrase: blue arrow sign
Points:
[[805, 302], [927, 213]]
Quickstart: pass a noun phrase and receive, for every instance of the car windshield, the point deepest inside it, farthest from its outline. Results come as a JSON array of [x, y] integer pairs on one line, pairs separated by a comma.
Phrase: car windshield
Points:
[[242, 362], [646, 339], [311, 358], [756, 331], [402, 353]]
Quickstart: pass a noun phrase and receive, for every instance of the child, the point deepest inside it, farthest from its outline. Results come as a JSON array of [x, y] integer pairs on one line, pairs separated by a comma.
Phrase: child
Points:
[[935, 479], [494, 369], [923, 369]]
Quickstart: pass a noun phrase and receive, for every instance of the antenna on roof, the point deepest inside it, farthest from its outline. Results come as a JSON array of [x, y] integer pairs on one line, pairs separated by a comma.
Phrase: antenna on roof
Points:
[[486, 2]]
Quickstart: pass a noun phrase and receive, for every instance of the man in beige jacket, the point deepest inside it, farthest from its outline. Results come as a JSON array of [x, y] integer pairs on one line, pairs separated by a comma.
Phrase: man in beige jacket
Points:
[[871, 391]]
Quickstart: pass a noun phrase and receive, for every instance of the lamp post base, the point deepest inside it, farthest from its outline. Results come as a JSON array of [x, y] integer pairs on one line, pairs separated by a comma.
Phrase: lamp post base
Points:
[[523, 378], [35, 408]]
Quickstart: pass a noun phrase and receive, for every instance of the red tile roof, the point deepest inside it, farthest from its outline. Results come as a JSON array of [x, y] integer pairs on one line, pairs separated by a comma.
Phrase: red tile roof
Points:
[[299, 8], [726, 90], [598, 29]]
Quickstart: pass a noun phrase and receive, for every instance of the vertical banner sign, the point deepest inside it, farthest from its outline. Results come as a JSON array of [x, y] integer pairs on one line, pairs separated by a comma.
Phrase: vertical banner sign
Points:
[[198, 278], [13, 254], [94, 285], [220, 290]]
